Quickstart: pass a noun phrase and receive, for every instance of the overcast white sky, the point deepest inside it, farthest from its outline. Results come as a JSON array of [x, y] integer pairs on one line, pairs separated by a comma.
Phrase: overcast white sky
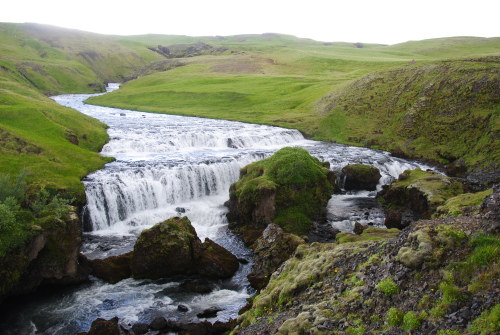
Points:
[[378, 21]]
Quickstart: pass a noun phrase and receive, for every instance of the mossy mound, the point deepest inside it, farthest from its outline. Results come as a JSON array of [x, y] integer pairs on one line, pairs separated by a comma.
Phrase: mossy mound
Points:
[[417, 194], [360, 177], [463, 203], [290, 188]]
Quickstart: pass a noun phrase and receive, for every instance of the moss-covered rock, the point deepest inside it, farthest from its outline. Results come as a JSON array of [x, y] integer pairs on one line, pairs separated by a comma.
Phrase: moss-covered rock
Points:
[[172, 247], [416, 194], [166, 249], [290, 188], [360, 177], [50, 256]]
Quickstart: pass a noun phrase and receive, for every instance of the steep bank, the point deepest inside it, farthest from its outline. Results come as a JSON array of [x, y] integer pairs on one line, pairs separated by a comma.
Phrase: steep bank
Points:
[[435, 277], [446, 112]]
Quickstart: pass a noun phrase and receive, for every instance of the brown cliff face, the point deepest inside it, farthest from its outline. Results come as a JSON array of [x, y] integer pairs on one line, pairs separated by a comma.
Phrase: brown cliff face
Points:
[[50, 257]]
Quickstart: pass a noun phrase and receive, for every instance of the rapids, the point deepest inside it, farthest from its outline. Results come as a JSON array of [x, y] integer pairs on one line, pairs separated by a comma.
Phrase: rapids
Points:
[[168, 165]]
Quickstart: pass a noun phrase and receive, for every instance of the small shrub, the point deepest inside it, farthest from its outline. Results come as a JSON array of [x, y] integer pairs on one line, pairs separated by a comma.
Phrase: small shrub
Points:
[[486, 250], [388, 286], [410, 321], [394, 317]]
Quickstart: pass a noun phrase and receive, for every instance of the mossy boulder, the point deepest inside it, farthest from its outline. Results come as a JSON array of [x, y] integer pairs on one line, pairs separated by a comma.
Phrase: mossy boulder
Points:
[[172, 247], [290, 188], [417, 194], [166, 249], [360, 177]]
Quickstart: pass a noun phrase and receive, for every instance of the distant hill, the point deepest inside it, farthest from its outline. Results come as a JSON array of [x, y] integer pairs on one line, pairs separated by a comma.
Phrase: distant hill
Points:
[[269, 78]]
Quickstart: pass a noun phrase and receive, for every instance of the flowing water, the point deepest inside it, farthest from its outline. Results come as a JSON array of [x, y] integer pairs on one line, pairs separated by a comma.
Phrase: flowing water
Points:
[[169, 166]]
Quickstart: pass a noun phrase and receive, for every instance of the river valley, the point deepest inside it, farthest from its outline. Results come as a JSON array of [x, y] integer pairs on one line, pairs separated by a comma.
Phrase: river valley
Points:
[[166, 166]]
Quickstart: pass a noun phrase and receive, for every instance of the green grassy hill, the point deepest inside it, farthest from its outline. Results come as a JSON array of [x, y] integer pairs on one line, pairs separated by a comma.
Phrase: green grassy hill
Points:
[[435, 99]]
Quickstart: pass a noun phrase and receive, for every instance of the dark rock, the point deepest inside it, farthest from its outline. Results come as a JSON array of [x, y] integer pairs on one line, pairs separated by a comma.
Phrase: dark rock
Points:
[[358, 228], [166, 249], [180, 210], [112, 269], [198, 285], [209, 313], [182, 308], [271, 250], [159, 323], [215, 261], [172, 247], [104, 327], [243, 261], [360, 177], [322, 232], [140, 328]]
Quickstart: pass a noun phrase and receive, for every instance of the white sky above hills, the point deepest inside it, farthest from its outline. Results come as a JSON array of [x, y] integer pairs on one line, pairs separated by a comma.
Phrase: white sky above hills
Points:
[[369, 21]]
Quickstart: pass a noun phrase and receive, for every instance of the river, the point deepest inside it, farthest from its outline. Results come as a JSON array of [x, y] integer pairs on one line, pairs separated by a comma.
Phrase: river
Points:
[[167, 166]]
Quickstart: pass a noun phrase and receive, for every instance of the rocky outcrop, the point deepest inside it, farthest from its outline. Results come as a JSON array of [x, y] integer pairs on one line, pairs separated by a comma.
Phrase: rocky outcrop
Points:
[[290, 188], [112, 269], [435, 275], [187, 50], [172, 247], [360, 177], [51, 256], [416, 194], [270, 251]]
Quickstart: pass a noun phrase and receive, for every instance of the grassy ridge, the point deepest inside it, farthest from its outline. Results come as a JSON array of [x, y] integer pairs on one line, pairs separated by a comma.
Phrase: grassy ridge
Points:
[[56, 145], [443, 111]]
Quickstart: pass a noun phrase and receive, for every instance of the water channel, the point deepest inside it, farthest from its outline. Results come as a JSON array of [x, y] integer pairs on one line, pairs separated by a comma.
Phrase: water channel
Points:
[[166, 166]]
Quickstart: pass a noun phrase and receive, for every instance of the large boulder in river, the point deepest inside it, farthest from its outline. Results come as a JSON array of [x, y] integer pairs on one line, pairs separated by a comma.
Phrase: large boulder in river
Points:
[[290, 188], [270, 251], [172, 247], [416, 195], [360, 177], [216, 261], [166, 249]]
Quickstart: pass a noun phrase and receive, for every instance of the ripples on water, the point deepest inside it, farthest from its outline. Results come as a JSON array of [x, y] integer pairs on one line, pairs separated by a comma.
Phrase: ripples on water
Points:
[[171, 165]]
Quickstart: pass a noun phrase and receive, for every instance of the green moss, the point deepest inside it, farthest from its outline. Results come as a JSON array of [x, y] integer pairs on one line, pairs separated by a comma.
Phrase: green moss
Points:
[[455, 206], [411, 321], [298, 182], [369, 234], [487, 323], [388, 286], [394, 317], [486, 250]]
